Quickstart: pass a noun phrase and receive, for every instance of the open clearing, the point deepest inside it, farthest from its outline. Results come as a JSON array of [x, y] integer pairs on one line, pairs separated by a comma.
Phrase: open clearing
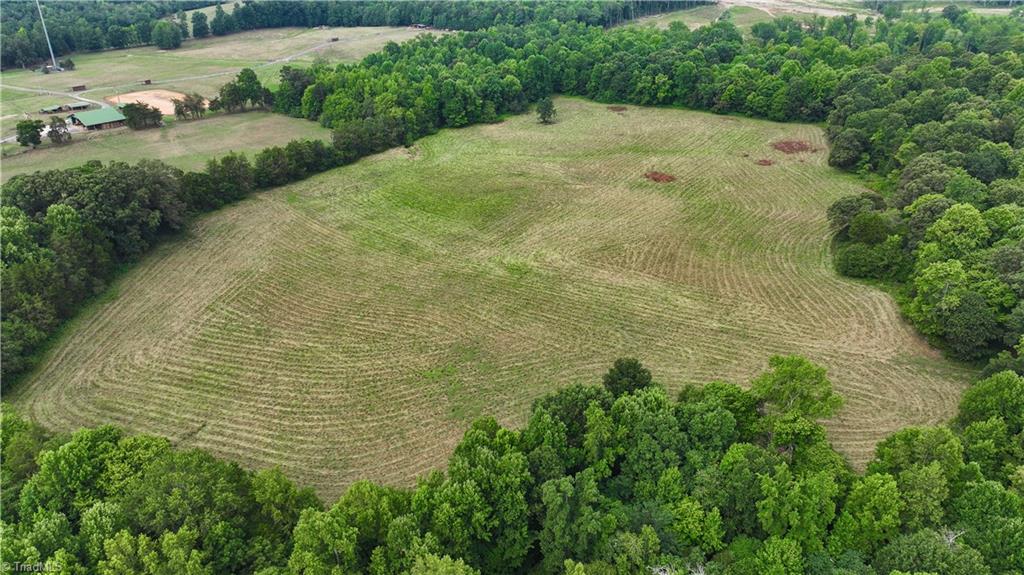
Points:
[[204, 65], [349, 326], [201, 66], [184, 144], [746, 13]]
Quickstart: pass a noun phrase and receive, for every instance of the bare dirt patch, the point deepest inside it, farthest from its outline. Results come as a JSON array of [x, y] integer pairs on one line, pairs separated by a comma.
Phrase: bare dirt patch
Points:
[[617, 108], [660, 177], [793, 146], [159, 99], [764, 162]]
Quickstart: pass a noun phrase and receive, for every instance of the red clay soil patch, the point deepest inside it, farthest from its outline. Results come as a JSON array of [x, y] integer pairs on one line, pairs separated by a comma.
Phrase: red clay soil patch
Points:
[[617, 108], [764, 162], [792, 146], [659, 177]]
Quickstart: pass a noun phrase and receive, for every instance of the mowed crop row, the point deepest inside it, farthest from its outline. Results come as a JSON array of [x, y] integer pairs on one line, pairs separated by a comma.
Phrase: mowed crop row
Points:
[[350, 326]]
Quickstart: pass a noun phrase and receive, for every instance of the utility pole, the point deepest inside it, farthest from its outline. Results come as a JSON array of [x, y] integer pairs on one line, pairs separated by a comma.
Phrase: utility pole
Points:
[[47, 34]]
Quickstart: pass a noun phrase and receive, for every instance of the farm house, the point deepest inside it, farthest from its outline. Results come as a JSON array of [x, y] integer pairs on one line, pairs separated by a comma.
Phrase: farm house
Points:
[[101, 119]]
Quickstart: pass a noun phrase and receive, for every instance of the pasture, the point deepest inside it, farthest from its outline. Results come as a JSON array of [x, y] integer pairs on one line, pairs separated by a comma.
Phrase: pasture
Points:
[[349, 326], [202, 66], [746, 13], [183, 144]]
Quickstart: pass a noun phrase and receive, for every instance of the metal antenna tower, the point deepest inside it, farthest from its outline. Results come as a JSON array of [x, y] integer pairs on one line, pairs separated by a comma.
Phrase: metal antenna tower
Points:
[[47, 34]]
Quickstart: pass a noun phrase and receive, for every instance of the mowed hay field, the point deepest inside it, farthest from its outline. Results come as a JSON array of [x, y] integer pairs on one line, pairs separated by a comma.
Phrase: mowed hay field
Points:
[[182, 144], [350, 326], [745, 13]]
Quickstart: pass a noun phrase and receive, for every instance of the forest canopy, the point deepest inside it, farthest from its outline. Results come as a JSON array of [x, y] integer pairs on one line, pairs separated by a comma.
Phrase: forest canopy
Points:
[[617, 479]]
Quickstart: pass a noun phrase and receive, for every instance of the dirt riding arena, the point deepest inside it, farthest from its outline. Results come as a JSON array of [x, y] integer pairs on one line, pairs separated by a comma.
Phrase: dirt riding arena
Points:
[[159, 99]]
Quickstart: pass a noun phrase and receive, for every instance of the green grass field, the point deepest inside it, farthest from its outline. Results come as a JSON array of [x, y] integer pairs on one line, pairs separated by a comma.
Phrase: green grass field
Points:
[[124, 70], [742, 16], [746, 13], [347, 327], [184, 144], [201, 66], [692, 17]]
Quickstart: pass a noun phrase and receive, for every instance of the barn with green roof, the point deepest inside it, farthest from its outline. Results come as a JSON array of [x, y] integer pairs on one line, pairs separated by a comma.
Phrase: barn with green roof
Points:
[[101, 119]]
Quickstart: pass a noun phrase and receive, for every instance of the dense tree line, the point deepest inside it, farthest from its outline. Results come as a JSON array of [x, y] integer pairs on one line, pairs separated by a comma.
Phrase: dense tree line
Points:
[[615, 479], [942, 126], [468, 15], [80, 26], [88, 26], [933, 103], [457, 80], [65, 232]]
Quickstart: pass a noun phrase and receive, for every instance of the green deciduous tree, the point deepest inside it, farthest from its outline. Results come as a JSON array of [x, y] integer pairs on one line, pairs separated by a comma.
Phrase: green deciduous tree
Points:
[[575, 523], [869, 228], [735, 487], [696, 527], [479, 512], [58, 132], [799, 508], [927, 551], [546, 110], [1001, 395], [960, 231], [779, 556], [200, 27], [139, 116], [29, 132], [634, 552], [920, 446], [870, 516], [626, 376], [923, 492], [323, 544], [166, 35], [370, 509], [434, 565], [797, 386]]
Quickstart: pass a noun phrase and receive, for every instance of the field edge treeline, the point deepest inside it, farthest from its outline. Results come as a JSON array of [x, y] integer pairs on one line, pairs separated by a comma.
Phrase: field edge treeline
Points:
[[614, 479]]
